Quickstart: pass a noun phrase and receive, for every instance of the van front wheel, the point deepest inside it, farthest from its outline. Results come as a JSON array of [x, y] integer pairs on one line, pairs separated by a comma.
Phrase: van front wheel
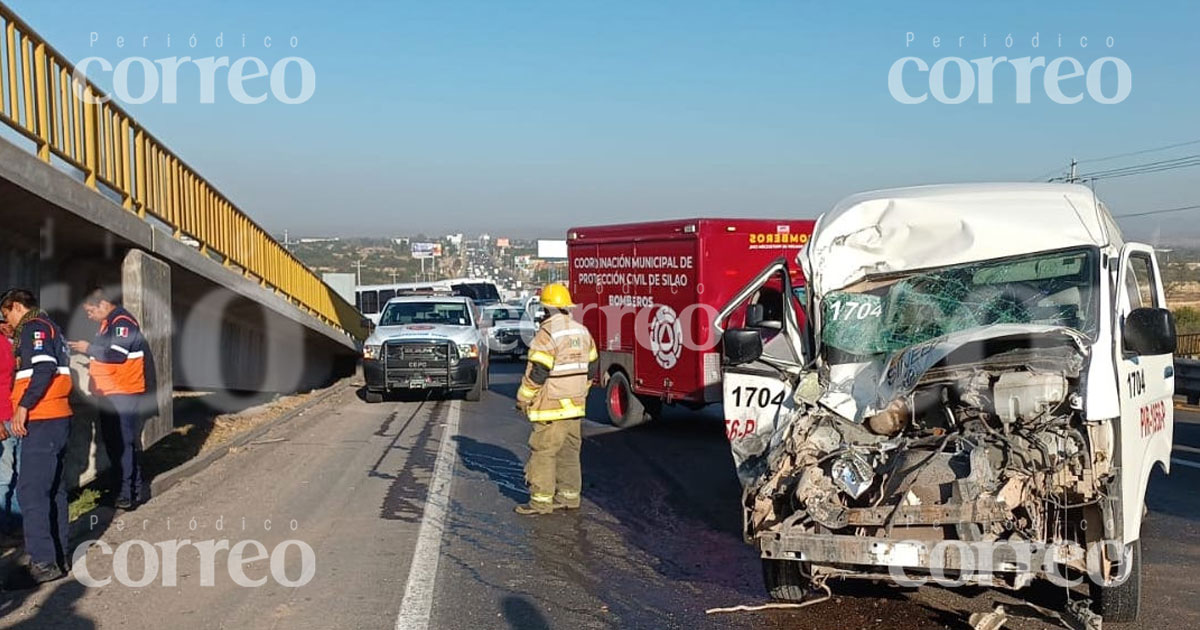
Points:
[[785, 580], [1120, 603]]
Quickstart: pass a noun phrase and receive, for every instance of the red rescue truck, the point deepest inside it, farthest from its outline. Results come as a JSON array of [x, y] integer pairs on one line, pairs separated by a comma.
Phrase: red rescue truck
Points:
[[649, 293]]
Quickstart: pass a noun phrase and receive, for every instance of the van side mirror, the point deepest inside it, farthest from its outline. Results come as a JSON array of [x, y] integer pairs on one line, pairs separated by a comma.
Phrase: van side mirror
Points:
[[741, 345], [1149, 331], [754, 315]]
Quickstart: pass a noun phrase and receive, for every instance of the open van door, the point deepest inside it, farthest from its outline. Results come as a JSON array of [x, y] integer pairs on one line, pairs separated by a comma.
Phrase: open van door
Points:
[[1145, 345], [763, 351]]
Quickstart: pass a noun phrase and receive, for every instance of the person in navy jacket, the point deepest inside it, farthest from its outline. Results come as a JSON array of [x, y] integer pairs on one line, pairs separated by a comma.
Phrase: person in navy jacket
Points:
[[118, 371], [42, 419]]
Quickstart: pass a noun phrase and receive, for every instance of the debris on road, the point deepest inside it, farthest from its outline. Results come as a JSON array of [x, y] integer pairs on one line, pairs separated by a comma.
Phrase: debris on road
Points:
[[994, 620], [774, 605]]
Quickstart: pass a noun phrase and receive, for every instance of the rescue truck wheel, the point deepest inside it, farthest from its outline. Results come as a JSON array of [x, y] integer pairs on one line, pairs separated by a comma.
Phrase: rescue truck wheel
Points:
[[785, 580], [1120, 603], [625, 410], [373, 397]]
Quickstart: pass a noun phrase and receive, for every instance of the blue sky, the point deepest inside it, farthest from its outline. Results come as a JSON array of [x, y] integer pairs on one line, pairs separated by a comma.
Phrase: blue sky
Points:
[[523, 118]]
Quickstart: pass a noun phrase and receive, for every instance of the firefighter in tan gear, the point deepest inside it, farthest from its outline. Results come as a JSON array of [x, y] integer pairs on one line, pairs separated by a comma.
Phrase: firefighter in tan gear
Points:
[[552, 395]]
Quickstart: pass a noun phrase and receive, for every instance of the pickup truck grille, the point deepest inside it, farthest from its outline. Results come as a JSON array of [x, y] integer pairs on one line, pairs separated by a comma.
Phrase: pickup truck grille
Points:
[[508, 336], [417, 355]]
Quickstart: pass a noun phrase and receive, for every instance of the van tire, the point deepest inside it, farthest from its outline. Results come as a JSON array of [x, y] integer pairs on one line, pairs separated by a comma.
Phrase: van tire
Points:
[[625, 409], [785, 580], [373, 397], [1121, 603]]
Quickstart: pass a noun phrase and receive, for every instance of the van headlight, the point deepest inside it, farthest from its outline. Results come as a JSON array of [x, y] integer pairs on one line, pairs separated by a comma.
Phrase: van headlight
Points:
[[468, 351], [371, 351]]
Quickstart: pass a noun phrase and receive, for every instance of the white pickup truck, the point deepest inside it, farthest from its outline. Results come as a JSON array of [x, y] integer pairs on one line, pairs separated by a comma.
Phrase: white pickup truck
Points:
[[978, 394], [426, 342]]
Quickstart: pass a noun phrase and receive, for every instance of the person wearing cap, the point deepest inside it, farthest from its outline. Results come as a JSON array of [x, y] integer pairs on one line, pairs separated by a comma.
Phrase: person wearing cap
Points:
[[553, 393]]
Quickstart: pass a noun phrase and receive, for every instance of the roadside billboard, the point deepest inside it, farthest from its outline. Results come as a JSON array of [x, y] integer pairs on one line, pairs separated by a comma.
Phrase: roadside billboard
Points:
[[426, 250], [552, 249]]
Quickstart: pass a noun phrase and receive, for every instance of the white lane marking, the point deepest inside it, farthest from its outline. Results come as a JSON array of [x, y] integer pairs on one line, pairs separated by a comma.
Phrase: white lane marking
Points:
[[1185, 462], [417, 606]]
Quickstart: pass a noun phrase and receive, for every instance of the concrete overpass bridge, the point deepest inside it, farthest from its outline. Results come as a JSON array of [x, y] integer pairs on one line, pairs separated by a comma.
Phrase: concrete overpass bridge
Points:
[[89, 198]]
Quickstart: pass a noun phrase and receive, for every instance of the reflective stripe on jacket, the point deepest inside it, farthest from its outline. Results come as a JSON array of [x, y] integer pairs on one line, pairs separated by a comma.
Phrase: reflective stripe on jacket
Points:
[[42, 383], [563, 348], [118, 364]]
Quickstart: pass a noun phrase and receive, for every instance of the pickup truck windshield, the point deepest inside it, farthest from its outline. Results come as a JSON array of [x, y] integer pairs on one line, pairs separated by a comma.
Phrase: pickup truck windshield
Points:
[[502, 313], [885, 315], [447, 313]]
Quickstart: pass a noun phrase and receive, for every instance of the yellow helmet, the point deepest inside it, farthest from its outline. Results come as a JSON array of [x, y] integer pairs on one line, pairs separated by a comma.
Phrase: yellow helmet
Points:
[[556, 296]]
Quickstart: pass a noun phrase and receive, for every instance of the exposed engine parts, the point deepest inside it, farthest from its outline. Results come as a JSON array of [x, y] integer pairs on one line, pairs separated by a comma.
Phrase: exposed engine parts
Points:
[[988, 451]]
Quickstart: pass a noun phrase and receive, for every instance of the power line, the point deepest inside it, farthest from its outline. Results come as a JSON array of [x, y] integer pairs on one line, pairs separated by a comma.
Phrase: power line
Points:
[[1043, 177], [1159, 211], [1186, 161], [1145, 169], [1105, 158], [1166, 162], [1142, 151]]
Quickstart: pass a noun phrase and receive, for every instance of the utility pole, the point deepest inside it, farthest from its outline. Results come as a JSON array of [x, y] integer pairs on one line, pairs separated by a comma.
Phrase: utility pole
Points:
[[394, 272], [1073, 177], [358, 277]]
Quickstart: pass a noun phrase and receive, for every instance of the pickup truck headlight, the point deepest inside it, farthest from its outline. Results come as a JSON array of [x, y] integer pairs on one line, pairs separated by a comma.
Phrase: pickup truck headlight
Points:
[[371, 351], [468, 351]]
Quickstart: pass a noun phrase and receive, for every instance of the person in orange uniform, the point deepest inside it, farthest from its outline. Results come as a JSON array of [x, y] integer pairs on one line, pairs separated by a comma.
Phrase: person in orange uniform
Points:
[[552, 395], [118, 379], [42, 419]]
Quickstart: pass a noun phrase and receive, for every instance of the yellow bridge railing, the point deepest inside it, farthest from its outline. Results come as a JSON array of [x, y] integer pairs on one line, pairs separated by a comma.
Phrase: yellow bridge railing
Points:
[[68, 117]]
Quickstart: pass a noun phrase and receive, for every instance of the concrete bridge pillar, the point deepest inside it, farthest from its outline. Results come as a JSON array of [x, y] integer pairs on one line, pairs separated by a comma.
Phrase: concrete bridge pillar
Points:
[[146, 292]]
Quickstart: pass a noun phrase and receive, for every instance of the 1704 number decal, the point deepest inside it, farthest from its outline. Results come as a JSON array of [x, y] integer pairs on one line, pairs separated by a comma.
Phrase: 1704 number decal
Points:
[[756, 397]]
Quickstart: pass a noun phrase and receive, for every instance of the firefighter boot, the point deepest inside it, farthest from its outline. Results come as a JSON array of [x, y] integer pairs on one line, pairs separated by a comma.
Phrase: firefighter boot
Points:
[[538, 504], [566, 500]]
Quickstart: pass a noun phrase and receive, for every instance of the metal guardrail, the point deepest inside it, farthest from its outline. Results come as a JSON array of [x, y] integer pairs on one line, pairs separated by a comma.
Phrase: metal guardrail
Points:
[[43, 100], [1188, 345], [1187, 379]]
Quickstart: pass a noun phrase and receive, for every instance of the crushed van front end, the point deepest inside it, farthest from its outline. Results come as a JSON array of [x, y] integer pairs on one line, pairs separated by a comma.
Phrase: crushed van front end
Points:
[[976, 464]]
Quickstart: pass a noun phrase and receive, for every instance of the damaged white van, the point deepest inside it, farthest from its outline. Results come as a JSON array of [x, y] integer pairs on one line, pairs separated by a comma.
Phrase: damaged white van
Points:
[[979, 393]]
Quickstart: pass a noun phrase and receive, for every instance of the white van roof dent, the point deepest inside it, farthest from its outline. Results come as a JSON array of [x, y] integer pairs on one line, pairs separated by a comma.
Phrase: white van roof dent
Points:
[[926, 227]]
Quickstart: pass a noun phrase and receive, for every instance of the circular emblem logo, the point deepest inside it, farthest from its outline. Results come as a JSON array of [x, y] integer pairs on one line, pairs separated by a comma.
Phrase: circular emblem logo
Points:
[[666, 336]]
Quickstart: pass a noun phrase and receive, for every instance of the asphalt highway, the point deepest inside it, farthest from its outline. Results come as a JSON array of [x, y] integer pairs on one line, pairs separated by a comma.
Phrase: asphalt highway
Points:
[[407, 506]]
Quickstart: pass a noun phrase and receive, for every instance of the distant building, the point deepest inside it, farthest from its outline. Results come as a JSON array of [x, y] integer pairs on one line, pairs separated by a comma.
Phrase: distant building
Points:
[[455, 239], [319, 239]]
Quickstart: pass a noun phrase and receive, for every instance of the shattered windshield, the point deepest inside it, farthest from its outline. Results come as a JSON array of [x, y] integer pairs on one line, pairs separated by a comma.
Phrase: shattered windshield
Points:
[[885, 315]]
